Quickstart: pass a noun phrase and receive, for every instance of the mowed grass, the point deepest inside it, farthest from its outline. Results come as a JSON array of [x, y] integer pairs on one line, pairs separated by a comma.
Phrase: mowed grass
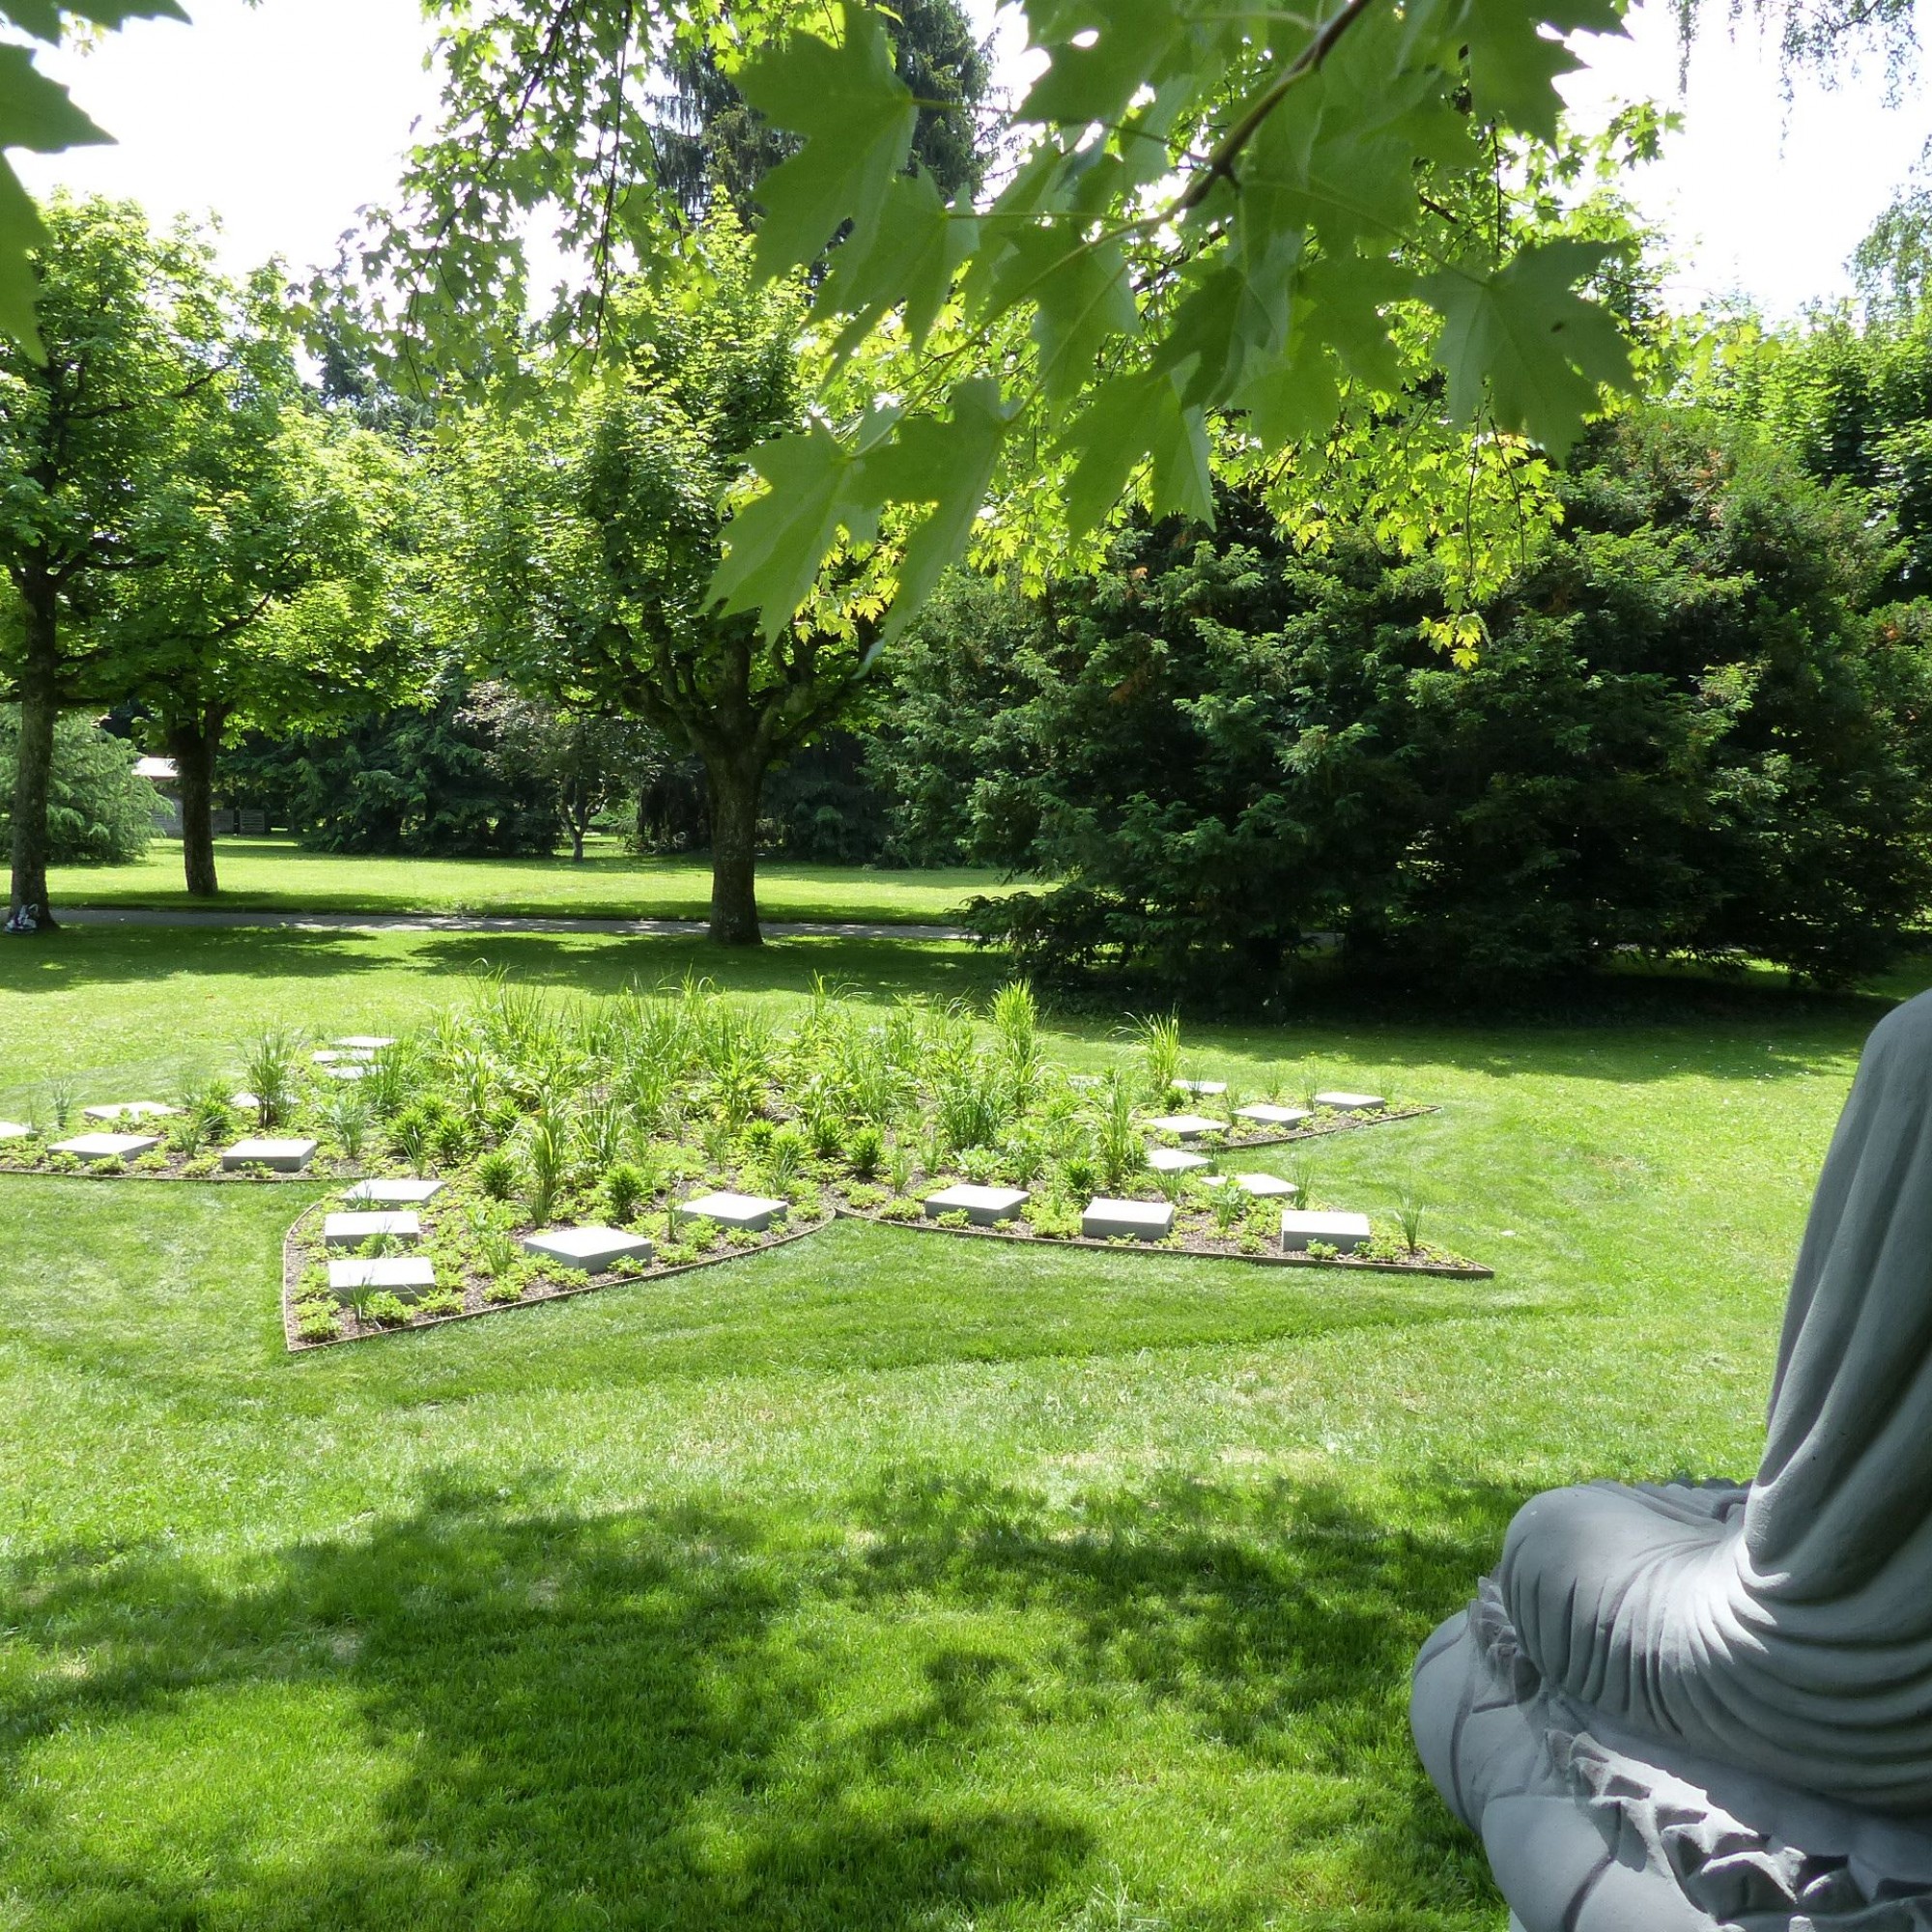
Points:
[[885, 1580], [276, 875]]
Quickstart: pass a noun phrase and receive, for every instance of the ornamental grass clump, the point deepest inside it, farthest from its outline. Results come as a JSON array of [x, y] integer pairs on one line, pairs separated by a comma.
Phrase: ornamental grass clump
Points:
[[546, 1161], [1158, 1035], [269, 1066], [1120, 1142]]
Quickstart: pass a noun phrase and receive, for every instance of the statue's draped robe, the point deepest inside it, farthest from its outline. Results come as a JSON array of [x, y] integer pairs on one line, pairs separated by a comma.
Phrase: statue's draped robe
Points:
[[1787, 1630]]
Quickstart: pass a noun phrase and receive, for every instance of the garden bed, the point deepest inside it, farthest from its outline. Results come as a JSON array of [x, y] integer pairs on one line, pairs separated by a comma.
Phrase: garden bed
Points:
[[467, 1290], [1196, 1234], [523, 1113]]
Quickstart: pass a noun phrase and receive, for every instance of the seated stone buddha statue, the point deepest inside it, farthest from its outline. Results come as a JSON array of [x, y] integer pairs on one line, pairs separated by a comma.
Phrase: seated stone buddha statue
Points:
[[1681, 1708]]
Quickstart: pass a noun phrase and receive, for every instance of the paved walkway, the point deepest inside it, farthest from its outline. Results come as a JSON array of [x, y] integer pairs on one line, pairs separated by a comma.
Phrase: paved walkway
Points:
[[463, 922]]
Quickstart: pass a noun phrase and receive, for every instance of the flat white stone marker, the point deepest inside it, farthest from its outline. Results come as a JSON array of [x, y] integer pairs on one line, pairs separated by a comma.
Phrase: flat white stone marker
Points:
[[130, 1110], [1202, 1087], [367, 1042], [323, 1055], [350, 1230], [346, 1071], [1263, 1186], [1176, 1160], [246, 1101], [983, 1206], [13, 1131], [734, 1210], [1300, 1226], [395, 1272], [1350, 1103], [590, 1249], [1265, 1114], [1142, 1220], [107, 1147], [284, 1157], [394, 1193], [1187, 1127]]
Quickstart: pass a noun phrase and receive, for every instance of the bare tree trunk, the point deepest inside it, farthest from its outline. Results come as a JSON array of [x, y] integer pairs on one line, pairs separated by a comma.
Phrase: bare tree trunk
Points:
[[40, 710], [734, 785], [193, 744]]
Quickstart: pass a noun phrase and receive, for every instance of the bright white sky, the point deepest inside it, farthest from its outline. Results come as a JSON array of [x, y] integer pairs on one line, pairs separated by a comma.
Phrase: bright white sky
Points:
[[287, 119]]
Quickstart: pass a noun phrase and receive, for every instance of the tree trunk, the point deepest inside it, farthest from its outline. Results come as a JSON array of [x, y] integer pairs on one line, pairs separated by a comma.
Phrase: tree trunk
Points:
[[576, 842], [193, 744], [39, 709], [734, 785]]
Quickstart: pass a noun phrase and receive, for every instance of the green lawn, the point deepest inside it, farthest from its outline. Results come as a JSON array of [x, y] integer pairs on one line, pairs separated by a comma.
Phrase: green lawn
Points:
[[884, 1582], [276, 875]]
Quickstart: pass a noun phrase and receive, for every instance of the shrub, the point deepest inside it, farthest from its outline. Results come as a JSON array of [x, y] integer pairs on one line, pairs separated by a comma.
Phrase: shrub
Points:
[[391, 1311], [786, 1154], [449, 1140], [625, 1190], [864, 1147], [505, 1289], [440, 1301], [497, 1174], [900, 1207]]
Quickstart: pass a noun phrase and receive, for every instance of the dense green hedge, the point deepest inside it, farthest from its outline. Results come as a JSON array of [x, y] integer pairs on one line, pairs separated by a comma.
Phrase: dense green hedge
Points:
[[1688, 732]]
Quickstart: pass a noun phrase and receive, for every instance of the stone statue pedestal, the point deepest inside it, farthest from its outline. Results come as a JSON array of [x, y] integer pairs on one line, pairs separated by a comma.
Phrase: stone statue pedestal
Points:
[[1590, 1831]]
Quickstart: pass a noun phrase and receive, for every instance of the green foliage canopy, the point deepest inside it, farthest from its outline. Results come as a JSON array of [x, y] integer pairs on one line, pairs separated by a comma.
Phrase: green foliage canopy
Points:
[[1231, 237]]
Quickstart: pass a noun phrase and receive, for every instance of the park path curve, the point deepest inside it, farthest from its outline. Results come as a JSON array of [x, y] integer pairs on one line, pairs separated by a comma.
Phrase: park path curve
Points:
[[465, 922]]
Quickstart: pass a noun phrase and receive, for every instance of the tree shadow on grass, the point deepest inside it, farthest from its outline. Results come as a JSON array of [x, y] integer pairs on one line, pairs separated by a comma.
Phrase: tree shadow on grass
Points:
[[716, 1718], [586, 963]]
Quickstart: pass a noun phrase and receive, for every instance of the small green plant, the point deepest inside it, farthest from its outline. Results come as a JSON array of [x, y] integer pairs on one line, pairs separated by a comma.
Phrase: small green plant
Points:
[[497, 1174], [1323, 1250], [1409, 1206], [900, 1207], [785, 1155], [756, 1140], [827, 1135], [1079, 1175], [201, 1167], [440, 1301], [504, 1289], [349, 1117], [864, 1147], [60, 1096], [900, 1167], [318, 1321], [449, 1140], [391, 1311], [954, 1217], [497, 1252], [1057, 1219], [113, 1164], [625, 1190], [864, 1195], [1230, 1204]]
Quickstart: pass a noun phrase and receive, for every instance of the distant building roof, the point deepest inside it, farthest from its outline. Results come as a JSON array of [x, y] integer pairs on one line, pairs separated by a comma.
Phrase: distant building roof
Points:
[[160, 770]]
